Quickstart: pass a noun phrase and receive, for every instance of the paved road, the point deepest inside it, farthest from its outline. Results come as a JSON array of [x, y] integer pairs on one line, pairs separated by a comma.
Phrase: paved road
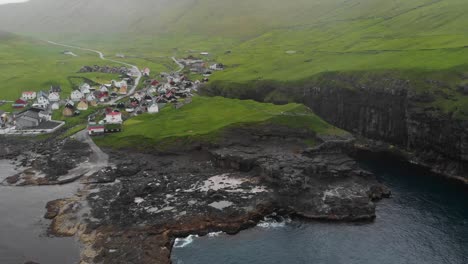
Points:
[[99, 159], [102, 57]]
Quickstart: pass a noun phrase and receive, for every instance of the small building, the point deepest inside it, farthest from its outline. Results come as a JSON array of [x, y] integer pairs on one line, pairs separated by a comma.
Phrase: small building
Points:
[[29, 95], [148, 98], [85, 88], [154, 83], [69, 109], [82, 105], [4, 118], [139, 96], [43, 100], [217, 67], [55, 89], [123, 89], [146, 72], [55, 106], [54, 97], [96, 129], [204, 53], [90, 97], [153, 108], [31, 118], [76, 96], [134, 102], [104, 89], [102, 96], [114, 117], [20, 103]]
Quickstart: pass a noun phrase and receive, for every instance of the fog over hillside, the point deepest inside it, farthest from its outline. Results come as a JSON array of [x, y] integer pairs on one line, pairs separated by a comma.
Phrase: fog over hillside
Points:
[[238, 18], [83, 16]]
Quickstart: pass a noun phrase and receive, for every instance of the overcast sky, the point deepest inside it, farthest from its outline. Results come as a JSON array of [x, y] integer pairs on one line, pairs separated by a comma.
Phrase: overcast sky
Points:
[[11, 1]]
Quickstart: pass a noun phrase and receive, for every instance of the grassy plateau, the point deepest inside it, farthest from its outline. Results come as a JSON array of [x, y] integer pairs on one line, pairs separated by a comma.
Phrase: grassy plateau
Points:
[[206, 118]]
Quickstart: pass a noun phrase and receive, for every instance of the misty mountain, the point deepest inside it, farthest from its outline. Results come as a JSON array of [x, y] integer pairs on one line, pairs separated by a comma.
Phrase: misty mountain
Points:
[[236, 18]]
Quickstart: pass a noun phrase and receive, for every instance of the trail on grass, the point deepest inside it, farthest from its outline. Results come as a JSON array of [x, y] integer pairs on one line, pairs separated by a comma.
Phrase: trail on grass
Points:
[[181, 66], [102, 57]]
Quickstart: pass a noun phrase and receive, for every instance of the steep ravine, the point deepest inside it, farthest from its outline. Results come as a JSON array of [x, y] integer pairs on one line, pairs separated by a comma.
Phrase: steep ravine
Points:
[[388, 114]]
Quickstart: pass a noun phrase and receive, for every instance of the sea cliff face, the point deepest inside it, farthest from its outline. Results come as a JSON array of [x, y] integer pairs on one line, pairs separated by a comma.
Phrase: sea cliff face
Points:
[[393, 114], [388, 113]]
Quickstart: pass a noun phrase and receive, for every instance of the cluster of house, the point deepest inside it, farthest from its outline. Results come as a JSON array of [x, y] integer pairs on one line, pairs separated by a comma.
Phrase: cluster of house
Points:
[[199, 66], [175, 89]]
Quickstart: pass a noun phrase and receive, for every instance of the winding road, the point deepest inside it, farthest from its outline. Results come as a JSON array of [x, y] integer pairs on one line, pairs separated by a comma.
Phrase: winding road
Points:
[[181, 66], [102, 57]]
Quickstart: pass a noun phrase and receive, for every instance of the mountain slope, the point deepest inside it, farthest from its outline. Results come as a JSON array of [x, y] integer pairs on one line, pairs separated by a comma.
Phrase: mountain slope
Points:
[[239, 18], [321, 36]]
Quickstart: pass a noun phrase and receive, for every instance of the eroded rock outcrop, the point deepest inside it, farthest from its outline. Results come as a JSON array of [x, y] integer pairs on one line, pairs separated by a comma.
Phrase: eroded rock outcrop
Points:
[[393, 114], [133, 211]]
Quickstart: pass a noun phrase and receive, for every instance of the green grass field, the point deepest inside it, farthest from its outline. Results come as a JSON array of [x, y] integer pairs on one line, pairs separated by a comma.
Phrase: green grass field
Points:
[[286, 42], [28, 64], [206, 117]]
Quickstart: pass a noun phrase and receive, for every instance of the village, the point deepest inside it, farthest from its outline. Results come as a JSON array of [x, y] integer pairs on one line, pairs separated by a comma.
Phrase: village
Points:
[[106, 106]]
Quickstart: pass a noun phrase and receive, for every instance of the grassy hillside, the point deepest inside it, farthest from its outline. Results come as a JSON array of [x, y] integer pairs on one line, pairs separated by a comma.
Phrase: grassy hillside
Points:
[[206, 117], [28, 64], [333, 35], [269, 40]]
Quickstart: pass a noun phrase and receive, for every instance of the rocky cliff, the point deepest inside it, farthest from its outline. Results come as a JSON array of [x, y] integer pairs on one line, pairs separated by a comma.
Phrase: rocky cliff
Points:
[[380, 109], [394, 114]]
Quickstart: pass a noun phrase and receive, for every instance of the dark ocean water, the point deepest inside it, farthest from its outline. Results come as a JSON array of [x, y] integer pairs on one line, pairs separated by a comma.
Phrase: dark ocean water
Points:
[[425, 222], [23, 229]]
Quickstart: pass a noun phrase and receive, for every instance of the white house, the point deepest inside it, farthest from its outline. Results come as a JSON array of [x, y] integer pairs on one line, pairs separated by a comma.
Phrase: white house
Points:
[[153, 108], [29, 95], [119, 84], [152, 90], [104, 89], [76, 95], [90, 97], [139, 96], [43, 100], [217, 67], [114, 117], [85, 88], [55, 106], [54, 97]]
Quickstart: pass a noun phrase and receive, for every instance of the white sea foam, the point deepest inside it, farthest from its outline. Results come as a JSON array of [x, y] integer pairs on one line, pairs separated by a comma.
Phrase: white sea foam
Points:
[[277, 222], [183, 242], [215, 234]]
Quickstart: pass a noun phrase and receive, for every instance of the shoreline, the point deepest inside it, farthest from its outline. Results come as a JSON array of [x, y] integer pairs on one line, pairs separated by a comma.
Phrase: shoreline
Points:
[[89, 215]]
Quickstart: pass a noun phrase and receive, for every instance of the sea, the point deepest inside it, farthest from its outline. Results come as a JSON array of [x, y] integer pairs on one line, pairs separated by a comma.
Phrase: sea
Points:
[[23, 229], [425, 222]]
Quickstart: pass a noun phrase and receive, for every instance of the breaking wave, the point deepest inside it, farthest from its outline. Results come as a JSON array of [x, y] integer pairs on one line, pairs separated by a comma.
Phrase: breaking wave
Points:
[[215, 234], [274, 221], [183, 242]]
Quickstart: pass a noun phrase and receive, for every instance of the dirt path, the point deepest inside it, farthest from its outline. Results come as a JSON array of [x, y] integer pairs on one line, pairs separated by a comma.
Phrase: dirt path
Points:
[[102, 57], [181, 66]]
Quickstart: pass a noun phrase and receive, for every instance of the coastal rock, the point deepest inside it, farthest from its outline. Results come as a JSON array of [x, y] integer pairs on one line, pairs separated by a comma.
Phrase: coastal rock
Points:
[[392, 113], [134, 212]]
